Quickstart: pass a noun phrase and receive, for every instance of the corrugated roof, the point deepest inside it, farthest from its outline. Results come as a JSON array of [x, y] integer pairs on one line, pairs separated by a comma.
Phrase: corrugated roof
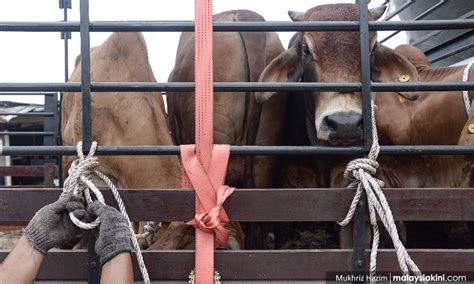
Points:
[[27, 108]]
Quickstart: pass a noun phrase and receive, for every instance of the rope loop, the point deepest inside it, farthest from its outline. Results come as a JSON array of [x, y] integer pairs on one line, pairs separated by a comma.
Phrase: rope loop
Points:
[[80, 182]]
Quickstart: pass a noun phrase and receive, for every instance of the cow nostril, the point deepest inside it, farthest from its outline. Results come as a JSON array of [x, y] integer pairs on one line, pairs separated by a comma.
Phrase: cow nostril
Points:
[[330, 123], [343, 122]]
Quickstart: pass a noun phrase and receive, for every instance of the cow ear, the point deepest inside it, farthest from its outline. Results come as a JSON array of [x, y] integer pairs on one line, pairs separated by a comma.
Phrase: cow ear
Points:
[[377, 12], [287, 67], [390, 66], [78, 60], [296, 16]]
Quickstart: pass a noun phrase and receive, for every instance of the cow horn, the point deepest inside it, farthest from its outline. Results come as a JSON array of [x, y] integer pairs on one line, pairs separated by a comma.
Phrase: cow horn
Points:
[[377, 12], [296, 16]]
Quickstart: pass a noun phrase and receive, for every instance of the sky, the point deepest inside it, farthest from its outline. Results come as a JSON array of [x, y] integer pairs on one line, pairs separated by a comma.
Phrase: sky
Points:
[[39, 57]]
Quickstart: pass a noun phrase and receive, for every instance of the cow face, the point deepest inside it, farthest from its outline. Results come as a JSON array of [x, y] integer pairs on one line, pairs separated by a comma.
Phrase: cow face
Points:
[[327, 57]]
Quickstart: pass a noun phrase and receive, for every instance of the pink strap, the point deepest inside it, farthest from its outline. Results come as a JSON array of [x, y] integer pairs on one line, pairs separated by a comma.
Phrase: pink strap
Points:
[[205, 165]]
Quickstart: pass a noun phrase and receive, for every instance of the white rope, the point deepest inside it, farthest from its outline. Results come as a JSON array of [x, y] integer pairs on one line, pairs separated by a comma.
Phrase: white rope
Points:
[[80, 182], [149, 229], [361, 173], [465, 94]]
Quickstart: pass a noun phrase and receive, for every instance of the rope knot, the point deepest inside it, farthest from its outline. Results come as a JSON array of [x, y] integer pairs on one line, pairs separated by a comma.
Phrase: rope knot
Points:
[[369, 166], [213, 222]]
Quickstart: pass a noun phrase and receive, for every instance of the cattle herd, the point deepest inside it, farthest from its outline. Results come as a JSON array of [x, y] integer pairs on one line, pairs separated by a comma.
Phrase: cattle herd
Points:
[[326, 118]]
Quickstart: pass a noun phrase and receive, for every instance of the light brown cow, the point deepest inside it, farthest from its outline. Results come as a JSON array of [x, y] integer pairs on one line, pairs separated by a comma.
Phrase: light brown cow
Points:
[[129, 118], [120, 119], [238, 118]]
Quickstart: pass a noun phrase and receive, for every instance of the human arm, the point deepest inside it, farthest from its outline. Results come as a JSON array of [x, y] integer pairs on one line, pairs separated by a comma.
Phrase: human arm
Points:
[[113, 245], [21, 264], [50, 227], [118, 270]]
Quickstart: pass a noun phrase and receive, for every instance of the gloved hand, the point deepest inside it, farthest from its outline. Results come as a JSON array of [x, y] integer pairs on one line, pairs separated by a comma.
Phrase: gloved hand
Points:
[[114, 234], [51, 226]]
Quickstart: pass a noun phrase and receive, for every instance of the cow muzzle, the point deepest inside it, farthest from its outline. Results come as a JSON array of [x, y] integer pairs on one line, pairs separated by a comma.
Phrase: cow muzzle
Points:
[[342, 128]]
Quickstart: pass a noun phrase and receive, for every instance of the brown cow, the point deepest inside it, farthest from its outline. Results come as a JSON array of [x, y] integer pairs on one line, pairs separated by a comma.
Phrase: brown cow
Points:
[[129, 118], [334, 118], [238, 118]]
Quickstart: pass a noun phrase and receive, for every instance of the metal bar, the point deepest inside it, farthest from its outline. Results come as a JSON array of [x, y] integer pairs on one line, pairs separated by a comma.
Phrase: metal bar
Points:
[[235, 86], [188, 26], [451, 47], [359, 233], [27, 114], [27, 133], [66, 38], [85, 76], [94, 268], [435, 33], [365, 74], [403, 7], [358, 247], [434, 7], [49, 123], [242, 150]]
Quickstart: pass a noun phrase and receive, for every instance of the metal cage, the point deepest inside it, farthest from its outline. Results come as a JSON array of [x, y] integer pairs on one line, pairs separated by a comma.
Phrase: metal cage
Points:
[[317, 204]]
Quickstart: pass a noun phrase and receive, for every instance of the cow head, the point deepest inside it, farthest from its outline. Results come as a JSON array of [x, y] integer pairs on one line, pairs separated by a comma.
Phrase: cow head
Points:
[[327, 56]]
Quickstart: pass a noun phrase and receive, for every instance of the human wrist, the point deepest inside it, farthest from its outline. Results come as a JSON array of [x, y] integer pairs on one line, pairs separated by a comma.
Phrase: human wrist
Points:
[[37, 237]]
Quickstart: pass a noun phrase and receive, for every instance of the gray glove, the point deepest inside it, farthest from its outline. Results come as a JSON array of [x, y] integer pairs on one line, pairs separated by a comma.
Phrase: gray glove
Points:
[[51, 226], [114, 234]]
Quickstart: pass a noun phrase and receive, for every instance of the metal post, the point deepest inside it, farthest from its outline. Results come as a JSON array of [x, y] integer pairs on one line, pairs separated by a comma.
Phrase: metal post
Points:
[[365, 73], [94, 267], [359, 233], [49, 122], [85, 76], [63, 4]]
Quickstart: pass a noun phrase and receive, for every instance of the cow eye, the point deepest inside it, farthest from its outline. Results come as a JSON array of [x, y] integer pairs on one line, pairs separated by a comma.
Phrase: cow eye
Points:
[[306, 51]]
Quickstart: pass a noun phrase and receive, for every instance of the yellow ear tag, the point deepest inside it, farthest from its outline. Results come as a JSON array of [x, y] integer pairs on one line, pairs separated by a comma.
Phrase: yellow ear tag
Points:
[[404, 78], [470, 128], [402, 99]]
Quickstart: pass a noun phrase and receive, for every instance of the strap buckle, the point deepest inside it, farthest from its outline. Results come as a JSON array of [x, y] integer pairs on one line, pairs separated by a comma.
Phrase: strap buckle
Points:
[[192, 277]]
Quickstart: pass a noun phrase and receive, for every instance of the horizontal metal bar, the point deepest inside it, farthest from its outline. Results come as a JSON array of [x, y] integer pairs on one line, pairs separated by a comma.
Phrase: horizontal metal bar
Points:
[[26, 94], [237, 86], [242, 150], [292, 265], [26, 133], [39, 87], [27, 113], [188, 26]]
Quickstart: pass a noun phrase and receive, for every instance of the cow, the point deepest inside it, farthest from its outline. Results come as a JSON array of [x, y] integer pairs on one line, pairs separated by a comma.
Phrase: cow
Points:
[[128, 118], [335, 118], [238, 118]]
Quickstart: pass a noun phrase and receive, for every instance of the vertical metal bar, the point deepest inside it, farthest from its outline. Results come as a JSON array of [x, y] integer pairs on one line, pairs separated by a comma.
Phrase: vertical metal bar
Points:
[[66, 37], [365, 73], [63, 4], [359, 233], [85, 76], [49, 122], [94, 268], [359, 237]]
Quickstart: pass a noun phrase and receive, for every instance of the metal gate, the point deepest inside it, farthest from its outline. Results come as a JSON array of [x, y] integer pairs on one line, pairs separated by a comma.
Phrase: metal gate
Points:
[[310, 204]]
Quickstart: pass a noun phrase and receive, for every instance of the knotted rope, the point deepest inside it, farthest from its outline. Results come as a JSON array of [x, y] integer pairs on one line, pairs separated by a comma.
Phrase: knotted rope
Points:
[[79, 182], [361, 174], [465, 94]]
